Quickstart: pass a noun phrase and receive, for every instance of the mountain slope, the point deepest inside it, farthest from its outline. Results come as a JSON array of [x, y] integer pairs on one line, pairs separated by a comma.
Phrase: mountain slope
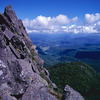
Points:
[[20, 65], [79, 76]]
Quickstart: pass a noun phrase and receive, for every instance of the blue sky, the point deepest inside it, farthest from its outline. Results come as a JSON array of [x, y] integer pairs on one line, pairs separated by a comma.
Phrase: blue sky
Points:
[[43, 9]]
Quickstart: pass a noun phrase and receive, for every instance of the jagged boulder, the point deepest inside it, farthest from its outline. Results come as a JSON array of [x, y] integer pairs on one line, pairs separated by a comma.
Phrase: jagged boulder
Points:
[[20, 64], [71, 94]]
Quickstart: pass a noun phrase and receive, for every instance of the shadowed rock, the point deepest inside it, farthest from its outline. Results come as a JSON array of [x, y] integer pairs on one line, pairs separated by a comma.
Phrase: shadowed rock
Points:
[[3, 19], [17, 55]]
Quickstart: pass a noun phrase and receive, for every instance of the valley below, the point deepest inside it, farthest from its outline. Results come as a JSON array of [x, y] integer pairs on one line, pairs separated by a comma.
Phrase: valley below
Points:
[[66, 48]]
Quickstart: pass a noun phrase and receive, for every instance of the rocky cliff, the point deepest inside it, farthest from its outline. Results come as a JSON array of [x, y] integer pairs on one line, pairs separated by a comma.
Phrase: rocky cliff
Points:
[[21, 68]]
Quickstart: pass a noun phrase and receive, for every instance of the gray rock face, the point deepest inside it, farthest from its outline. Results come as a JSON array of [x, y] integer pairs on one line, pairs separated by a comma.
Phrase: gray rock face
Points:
[[8, 34], [20, 64], [71, 94]]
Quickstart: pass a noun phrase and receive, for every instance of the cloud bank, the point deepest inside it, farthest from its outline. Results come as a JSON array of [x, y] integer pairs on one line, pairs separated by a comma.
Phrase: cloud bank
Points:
[[63, 24]]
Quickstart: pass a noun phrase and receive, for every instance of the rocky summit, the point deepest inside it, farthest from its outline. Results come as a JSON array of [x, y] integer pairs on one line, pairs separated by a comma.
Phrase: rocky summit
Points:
[[22, 76], [20, 65]]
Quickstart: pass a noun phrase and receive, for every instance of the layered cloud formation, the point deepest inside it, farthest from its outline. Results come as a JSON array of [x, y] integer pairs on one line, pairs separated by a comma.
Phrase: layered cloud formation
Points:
[[63, 24]]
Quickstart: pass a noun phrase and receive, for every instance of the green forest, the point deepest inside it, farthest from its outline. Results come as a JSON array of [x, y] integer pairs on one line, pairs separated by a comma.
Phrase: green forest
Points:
[[80, 76]]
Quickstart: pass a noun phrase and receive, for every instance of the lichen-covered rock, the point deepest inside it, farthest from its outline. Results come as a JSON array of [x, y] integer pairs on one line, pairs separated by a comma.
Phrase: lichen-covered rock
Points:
[[5, 92], [38, 93], [20, 64], [71, 94]]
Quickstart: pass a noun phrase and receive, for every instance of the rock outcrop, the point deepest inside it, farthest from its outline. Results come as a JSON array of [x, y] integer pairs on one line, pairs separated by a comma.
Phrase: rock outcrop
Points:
[[20, 65], [71, 94]]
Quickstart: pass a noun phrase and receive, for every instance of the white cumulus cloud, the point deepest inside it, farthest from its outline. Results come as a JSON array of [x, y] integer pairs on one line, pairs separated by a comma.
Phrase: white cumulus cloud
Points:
[[63, 24], [91, 18], [47, 24], [60, 20]]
